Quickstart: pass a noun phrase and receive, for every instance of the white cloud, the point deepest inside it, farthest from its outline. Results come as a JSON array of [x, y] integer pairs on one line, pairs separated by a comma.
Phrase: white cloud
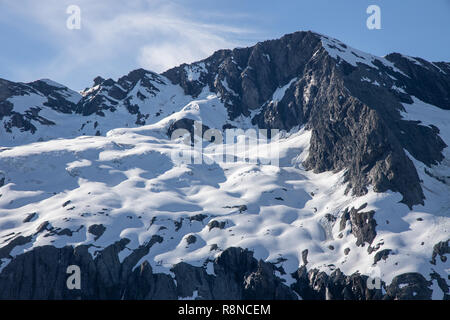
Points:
[[186, 43], [152, 34]]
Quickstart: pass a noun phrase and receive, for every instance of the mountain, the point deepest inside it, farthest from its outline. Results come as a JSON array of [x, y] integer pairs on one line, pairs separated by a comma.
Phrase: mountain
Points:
[[44, 110], [361, 189]]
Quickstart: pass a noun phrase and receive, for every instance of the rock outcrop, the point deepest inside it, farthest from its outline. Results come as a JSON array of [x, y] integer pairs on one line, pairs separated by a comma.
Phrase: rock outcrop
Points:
[[356, 125], [41, 274], [46, 93]]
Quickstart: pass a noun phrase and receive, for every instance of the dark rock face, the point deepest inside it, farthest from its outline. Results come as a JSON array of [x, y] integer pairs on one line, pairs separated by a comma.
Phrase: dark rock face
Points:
[[30, 217], [363, 225], [252, 74], [198, 217], [237, 275], [55, 96], [97, 230], [442, 284], [107, 94], [440, 249], [428, 81], [143, 284], [191, 239], [190, 279], [344, 218], [187, 125], [383, 254], [409, 286], [263, 285], [27, 276], [305, 257], [216, 224], [316, 285], [356, 125], [17, 241]]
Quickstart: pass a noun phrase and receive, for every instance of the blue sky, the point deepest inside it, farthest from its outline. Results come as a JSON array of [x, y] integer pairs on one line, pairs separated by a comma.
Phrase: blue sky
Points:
[[118, 36]]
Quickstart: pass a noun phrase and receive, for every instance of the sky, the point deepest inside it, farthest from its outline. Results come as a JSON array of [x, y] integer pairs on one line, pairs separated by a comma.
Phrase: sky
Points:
[[118, 36]]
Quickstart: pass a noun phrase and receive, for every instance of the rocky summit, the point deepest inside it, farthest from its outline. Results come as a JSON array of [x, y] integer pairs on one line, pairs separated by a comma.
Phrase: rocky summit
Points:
[[358, 206]]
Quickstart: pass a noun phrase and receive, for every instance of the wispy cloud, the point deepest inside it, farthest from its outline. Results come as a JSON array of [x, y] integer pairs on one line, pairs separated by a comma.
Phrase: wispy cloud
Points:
[[116, 35]]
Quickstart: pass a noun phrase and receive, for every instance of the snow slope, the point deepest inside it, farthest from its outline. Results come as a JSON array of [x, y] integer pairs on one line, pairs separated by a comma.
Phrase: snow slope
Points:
[[343, 52], [128, 182], [154, 106]]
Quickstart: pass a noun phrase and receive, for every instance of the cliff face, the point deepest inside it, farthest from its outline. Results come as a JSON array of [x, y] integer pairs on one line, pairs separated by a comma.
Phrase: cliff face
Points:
[[352, 105], [41, 274], [23, 114]]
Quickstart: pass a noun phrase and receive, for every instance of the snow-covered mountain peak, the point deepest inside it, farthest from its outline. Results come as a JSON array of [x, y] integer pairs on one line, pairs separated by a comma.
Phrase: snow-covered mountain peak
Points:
[[360, 187]]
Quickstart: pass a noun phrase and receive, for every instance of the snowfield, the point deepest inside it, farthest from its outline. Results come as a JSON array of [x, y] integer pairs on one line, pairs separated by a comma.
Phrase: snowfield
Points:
[[96, 166], [128, 182]]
